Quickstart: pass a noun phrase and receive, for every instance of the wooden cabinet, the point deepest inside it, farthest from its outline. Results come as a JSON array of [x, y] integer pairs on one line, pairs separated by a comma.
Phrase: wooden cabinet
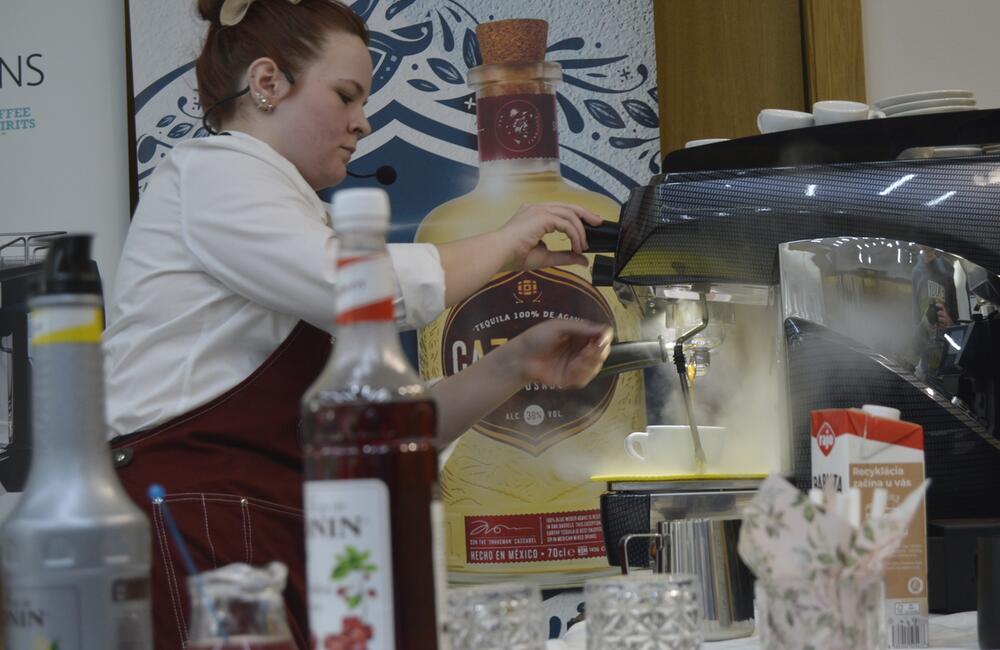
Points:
[[720, 61], [833, 50]]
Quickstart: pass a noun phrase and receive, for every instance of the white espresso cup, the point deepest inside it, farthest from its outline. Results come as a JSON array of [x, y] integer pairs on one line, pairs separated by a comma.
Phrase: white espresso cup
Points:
[[835, 111], [668, 449], [771, 120]]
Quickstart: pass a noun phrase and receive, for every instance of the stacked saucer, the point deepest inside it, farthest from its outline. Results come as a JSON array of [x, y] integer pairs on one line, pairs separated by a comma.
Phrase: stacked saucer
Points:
[[946, 151], [928, 102]]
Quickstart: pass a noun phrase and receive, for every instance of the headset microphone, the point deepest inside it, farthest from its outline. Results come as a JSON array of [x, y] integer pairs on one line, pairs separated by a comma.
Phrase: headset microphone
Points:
[[385, 175]]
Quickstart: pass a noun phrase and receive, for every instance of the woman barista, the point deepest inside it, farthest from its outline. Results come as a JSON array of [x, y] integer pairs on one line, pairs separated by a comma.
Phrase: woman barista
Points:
[[224, 298]]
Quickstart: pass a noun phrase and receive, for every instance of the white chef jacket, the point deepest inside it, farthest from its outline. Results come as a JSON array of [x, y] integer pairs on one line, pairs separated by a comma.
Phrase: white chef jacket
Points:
[[228, 249]]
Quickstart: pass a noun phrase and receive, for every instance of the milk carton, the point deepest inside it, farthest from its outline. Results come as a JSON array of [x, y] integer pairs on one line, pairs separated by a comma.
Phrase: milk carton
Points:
[[872, 448]]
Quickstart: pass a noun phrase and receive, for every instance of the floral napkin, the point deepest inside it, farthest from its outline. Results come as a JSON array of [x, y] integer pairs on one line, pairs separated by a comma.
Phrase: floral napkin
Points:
[[821, 577]]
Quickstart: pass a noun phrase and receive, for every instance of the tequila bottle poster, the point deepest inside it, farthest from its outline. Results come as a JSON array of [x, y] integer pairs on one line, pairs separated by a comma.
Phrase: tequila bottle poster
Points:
[[421, 108], [423, 111]]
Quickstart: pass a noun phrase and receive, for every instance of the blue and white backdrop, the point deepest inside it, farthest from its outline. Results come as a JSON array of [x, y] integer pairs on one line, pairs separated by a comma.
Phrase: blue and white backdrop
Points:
[[421, 108]]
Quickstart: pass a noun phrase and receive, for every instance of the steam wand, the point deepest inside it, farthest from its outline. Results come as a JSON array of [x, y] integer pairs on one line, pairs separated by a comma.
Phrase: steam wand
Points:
[[681, 364]]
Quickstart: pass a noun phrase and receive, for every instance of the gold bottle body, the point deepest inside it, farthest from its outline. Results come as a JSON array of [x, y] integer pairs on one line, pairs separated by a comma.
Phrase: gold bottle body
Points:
[[497, 480]]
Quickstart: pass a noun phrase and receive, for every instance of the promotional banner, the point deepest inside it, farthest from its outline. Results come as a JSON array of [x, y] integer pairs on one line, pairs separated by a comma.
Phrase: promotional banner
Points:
[[63, 122], [63, 167]]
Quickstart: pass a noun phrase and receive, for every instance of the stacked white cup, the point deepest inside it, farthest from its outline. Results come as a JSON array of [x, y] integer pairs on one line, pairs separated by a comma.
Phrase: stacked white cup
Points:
[[832, 111]]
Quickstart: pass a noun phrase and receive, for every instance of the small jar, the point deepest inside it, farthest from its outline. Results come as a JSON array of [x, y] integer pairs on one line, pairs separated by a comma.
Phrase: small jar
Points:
[[240, 607]]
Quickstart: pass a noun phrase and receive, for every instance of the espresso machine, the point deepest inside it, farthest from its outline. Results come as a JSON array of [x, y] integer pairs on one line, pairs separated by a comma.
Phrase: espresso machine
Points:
[[834, 275], [21, 256]]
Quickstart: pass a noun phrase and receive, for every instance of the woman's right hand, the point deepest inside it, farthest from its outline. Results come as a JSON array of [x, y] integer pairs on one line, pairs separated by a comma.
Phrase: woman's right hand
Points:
[[521, 237], [560, 353]]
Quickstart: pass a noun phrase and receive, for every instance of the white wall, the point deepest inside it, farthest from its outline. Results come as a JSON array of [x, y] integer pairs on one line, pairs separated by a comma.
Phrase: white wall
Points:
[[915, 45], [69, 172]]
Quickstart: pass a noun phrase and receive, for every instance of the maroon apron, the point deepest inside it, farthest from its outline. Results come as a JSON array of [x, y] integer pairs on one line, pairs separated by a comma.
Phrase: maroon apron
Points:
[[232, 470]]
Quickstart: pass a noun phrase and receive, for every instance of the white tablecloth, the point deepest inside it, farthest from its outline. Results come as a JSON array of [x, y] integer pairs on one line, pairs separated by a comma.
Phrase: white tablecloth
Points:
[[951, 632]]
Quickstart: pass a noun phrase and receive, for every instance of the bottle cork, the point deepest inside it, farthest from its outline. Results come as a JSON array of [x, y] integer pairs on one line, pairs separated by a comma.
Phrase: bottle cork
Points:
[[519, 40]]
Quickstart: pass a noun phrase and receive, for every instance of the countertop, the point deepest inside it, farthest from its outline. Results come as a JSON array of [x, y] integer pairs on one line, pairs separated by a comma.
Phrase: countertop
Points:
[[950, 632]]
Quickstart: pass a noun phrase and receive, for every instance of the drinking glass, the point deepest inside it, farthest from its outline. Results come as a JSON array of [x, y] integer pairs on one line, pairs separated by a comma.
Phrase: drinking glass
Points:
[[239, 607], [841, 618], [503, 616], [660, 611]]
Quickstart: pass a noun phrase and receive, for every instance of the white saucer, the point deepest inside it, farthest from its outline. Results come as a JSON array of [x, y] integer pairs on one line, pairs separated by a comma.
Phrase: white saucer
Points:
[[929, 94], [955, 151], [928, 103], [939, 109], [703, 141], [917, 153]]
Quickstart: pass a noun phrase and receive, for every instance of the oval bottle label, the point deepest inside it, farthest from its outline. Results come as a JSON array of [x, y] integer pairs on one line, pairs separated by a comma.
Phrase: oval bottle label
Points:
[[517, 126], [538, 416]]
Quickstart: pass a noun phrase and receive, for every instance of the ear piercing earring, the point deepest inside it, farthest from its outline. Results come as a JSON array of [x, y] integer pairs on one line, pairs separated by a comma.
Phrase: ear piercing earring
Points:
[[263, 103]]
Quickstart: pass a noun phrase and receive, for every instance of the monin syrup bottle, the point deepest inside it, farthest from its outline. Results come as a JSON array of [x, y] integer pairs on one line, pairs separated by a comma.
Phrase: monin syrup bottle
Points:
[[370, 460]]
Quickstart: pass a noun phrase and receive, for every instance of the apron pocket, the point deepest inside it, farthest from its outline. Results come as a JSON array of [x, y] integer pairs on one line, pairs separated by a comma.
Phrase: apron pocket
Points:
[[221, 529]]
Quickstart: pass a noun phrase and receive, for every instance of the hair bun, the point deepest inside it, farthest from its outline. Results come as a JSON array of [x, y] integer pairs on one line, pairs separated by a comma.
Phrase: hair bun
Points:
[[210, 9]]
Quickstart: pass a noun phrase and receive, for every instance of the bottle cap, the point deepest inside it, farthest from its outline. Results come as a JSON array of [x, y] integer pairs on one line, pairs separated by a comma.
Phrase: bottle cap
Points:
[[361, 209], [520, 40], [68, 267], [886, 412]]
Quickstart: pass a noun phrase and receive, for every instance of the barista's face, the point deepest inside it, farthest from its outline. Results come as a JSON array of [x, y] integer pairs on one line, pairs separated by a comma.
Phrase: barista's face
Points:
[[321, 118]]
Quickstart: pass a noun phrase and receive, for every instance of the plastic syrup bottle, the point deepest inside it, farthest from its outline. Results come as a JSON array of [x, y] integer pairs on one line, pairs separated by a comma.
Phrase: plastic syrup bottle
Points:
[[370, 459], [517, 491], [76, 550]]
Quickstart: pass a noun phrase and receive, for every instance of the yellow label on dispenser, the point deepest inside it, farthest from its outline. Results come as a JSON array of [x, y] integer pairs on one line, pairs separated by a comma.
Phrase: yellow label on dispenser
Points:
[[66, 325]]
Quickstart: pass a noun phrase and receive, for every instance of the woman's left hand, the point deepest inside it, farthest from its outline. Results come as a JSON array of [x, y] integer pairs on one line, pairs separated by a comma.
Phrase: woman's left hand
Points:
[[561, 353], [521, 237], [516, 246]]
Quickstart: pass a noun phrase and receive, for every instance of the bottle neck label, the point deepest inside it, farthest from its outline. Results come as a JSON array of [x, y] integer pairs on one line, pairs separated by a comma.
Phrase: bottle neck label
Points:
[[517, 126], [365, 289], [64, 324], [349, 563]]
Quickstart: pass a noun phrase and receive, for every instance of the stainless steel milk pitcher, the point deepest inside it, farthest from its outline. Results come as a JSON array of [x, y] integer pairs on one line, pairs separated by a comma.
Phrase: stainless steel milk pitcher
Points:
[[706, 548]]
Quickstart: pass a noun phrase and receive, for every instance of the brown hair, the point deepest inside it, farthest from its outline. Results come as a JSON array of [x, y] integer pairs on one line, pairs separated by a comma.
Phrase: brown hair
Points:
[[291, 34]]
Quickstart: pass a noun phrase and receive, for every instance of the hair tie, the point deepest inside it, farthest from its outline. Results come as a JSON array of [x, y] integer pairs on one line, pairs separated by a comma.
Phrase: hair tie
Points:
[[232, 11]]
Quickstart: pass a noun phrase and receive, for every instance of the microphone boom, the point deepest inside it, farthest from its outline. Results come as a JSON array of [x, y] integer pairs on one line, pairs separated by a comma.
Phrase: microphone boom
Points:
[[385, 175]]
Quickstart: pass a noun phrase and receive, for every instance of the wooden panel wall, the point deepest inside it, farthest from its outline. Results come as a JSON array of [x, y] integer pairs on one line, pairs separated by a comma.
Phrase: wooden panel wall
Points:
[[834, 50], [720, 61]]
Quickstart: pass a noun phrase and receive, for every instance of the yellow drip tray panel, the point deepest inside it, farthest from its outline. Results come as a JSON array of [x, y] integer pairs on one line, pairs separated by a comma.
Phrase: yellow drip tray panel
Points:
[[660, 478]]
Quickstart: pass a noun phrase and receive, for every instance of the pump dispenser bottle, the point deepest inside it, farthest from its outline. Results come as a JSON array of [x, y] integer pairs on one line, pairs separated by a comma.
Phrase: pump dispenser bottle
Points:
[[76, 550]]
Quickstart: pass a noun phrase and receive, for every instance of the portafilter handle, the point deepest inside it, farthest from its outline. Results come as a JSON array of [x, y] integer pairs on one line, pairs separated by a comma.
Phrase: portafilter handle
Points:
[[635, 355], [602, 238]]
